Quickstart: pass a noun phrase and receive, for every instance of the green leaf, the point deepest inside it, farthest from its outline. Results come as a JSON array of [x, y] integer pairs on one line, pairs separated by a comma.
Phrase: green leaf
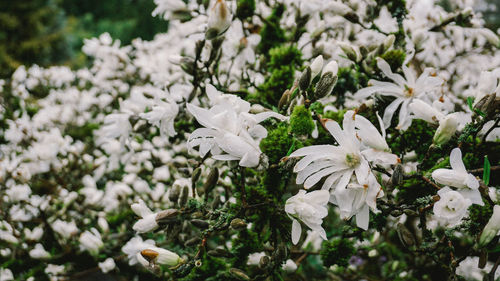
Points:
[[292, 148], [470, 102], [486, 171]]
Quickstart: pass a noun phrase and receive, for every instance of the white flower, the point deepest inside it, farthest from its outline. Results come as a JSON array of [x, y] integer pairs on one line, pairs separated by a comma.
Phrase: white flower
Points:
[[6, 274], [488, 83], [54, 269], [451, 207], [359, 144], [39, 252], [469, 269], [148, 218], [134, 246], [91, 241], [229, 134], [310, 208], [458, 177], [65, 229], [165, 8], [290, 266], [424, 111], [107, 265], [316, 66], [162, 115], [254, 258], [161, 256], [492, 227], [404, 90]]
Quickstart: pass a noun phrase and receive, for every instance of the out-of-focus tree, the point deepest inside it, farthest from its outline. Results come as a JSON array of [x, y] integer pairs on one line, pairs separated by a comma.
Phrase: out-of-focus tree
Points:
[[31, 32]]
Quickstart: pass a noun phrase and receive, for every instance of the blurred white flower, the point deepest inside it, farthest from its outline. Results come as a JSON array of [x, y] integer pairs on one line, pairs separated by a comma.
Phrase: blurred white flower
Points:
[[39, 252], [107, 265], [492, 227], [162, 115], [310, 208], [290, 266], [91, 241], [134, 246], [65, 229]]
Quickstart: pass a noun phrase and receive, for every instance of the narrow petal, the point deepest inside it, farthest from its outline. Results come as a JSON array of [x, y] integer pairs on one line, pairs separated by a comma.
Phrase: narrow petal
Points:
[[456, 160], [389, 112], [363, 217], [296, 232]]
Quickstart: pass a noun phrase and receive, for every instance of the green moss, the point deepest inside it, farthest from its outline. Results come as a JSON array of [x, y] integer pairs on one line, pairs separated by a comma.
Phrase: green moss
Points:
[[118, 218], [246, 243], [277, 143], [301, 122], [284, 55], [417, 137], [245, 9], [414, 188], [337, 251], [82, 133], [394, 58], [337, 116], [271, 34], [349, 80]]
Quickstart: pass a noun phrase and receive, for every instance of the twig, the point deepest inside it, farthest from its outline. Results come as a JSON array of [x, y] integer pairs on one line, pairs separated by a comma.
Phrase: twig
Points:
[[491, 275]]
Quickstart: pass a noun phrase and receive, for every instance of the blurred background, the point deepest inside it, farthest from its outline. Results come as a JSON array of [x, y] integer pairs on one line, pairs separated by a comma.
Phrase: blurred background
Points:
[[51, 32]]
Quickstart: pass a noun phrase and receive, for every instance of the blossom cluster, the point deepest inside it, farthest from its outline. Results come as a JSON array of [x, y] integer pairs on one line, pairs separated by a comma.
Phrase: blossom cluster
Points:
[[202, 154]]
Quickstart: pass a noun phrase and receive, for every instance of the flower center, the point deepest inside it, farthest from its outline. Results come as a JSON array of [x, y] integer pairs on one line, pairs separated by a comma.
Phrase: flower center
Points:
[[409, 92], [352, 160]]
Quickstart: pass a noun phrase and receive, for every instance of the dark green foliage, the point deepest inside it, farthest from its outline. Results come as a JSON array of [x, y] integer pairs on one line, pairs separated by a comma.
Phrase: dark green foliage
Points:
[[418, 137], [285, 55], [31, 31], [349, 80], [271, 34], [301, 122], [245, 9], [479, 216], [337, 251], [83, 133], [209, 268], [414, 188], [394, 58], [246, 243]]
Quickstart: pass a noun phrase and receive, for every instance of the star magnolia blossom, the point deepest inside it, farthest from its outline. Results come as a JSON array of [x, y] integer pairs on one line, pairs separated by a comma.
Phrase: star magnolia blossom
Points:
[[451, 207], [359, 144], [458, 177], [310, 208], [148, 218], [231, 132], [162, 115], [404, 90]]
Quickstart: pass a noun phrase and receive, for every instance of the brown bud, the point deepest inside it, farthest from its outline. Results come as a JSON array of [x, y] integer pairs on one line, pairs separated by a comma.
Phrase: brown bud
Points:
[[212, 180], [174, 193], [184, 196], [397, 175], [325, 85], [238, 224], [167, 216], [405, 235], [200, 223], [195, 176], [193, 241], [238, 273], [285, 99], [305, 79], [264, 262], [219, 253]]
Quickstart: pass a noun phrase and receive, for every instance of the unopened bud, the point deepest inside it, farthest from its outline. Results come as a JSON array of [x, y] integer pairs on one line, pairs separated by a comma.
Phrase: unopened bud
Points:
[[364, 51], [219, 20], [349, 51], [492, 227], [212, 180], [238, 273], [200, 223], [238, 224], [161, 256], [219, 253], [397, 175], [405, 236], [184, 196], [486, 104], [285, 99], [447, 128], [174, 193], [193, 241], [316, 66], [389, 41], [188, 65], [305, 79], [325, 85], [352, 17], [167, 216], [195, 176]]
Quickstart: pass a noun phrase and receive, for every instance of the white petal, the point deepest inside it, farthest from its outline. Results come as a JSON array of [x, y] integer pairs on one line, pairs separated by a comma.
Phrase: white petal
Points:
[[296, 232], [363, 217], [389, 111], [456, 160], [386, 69]]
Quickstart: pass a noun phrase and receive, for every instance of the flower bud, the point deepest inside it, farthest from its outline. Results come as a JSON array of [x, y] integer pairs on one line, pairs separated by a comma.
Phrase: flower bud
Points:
[[193, 241], [397, 175], [285, 99], [166, 216], [161, 256], [389, 41], [212, 180], [219, 253], [492, 227], [316, 66], [195, 176], [184, 196], [349, 51], [405, 235], [219, 20], [305, 79], [188, 65], [238, 273], [447, 128], [332, 67], [200, 223], [238, 224], [264, 262], [325, 85]]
